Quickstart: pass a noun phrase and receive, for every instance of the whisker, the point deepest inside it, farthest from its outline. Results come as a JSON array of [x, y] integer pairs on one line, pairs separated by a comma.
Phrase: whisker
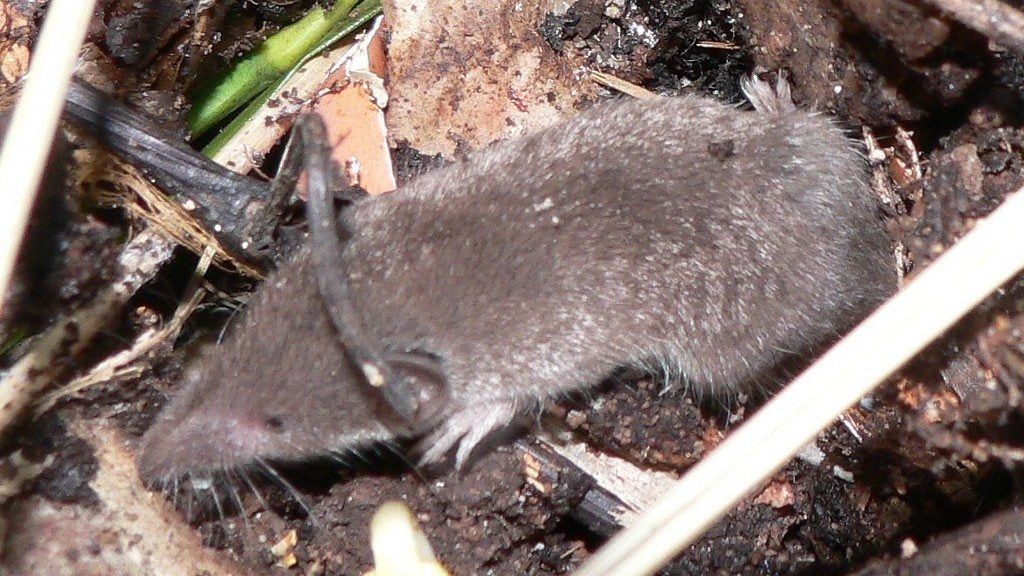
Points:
[[233, 491], [224, 330], [393, 448], [339, 458], [255, 492], [286, 485], [216, 498], [191, 498], [359, 454]]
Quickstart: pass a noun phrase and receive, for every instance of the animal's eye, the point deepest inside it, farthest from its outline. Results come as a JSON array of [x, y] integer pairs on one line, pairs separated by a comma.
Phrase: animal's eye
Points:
[[275, 423]]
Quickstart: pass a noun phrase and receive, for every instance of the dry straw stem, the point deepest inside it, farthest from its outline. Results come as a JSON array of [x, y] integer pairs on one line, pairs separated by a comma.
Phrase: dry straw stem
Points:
[[30, 134], [977, 265], [996, 20], [143, 199], [621, 85]]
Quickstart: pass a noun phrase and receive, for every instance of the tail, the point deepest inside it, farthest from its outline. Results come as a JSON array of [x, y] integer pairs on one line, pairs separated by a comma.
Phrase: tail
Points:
[[767, 99]]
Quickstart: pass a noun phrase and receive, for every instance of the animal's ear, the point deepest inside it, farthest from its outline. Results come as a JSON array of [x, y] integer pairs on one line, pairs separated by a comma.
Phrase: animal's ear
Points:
[[418, 388]]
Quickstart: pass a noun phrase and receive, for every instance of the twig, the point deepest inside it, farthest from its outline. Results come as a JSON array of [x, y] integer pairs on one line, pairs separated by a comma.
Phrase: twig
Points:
[[619, 489], [139, 262], [999, 22], [633, 487], [119, 366], [30, 135], [621, 85], [226, 203], [983, 260]]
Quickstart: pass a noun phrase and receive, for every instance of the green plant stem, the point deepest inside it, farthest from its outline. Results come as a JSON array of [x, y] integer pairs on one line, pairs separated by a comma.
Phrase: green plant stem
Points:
[[258, 69], [16, 336], [359, 16]]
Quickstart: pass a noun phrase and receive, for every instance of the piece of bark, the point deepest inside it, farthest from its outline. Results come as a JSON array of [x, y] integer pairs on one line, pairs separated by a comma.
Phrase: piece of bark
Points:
[[463, 77], [125, 530], [354, 117], [16, 32]]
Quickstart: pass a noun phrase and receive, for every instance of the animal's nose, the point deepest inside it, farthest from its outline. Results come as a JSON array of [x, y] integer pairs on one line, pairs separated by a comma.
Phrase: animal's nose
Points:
[[210, 442]]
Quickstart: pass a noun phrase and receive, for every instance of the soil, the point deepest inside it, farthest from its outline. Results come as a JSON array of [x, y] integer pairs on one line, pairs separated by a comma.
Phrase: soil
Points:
[[920, 478]]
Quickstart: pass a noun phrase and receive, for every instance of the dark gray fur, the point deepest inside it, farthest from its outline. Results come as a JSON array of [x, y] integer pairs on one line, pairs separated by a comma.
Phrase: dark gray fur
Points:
[[679, 235]]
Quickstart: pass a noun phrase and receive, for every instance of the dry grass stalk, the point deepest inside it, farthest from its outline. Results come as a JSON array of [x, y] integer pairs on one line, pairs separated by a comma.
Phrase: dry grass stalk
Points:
[[117, 182], [122, 366], [627, 88], [34, 122]]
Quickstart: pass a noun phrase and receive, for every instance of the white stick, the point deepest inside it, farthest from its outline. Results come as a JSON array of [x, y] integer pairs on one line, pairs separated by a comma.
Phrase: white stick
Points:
[[977, 265], [30, 133]]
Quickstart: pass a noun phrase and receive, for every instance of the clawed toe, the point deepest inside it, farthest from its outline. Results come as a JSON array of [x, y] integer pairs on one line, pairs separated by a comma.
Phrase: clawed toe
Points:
[[466, 428]]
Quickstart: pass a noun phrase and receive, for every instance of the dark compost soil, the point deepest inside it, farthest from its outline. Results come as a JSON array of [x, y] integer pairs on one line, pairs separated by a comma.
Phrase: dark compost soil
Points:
[[918, 479]]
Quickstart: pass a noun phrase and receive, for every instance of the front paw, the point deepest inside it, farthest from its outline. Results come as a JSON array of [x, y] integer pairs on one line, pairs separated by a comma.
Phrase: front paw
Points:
[[466, 427]]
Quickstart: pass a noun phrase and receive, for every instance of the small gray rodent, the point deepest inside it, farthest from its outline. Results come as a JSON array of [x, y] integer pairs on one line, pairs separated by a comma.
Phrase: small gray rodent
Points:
[[679, 235]]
